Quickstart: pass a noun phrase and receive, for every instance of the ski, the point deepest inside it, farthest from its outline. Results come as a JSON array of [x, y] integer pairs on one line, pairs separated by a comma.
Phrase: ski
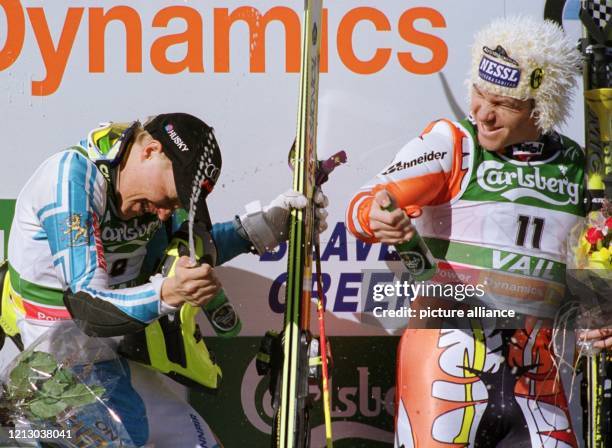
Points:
[[291, 428], [596, 45]]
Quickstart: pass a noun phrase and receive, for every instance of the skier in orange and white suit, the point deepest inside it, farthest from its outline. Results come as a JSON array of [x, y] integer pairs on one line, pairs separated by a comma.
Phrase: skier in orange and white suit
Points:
[[497, 192]]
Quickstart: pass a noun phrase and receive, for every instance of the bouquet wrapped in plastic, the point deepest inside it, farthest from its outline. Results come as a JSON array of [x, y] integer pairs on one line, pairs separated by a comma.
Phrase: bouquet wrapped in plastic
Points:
[[589, 270], [60, 391], [592, 243]]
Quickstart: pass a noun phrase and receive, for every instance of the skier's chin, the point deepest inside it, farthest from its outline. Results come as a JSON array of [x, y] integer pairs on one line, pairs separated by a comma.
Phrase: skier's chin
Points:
[[492, 145]]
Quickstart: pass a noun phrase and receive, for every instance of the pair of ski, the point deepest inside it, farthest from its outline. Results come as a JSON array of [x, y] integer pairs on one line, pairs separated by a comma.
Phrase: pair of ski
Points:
[[295, 359], [596, 17]]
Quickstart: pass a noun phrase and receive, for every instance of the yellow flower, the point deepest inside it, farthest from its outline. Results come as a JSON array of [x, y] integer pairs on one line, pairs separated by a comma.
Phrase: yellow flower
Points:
[[600, 259]]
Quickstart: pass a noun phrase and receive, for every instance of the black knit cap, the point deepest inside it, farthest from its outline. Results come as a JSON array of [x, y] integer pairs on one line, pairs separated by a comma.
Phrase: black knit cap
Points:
[[190, 145]]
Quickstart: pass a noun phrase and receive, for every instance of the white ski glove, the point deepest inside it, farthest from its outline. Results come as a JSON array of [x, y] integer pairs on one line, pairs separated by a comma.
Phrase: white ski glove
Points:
[[269, 226]]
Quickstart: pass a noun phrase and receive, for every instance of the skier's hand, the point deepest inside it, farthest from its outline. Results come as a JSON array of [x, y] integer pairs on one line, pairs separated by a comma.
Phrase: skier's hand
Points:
[[193, 284], [389, 227], [601, 338], [267, 227]]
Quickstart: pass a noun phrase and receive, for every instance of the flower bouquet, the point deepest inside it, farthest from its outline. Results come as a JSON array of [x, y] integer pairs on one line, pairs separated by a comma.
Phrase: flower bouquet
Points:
[[589, 270], [58, 391]]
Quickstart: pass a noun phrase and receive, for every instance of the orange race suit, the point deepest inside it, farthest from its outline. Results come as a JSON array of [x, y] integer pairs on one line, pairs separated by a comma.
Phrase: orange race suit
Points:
[[507, 214]]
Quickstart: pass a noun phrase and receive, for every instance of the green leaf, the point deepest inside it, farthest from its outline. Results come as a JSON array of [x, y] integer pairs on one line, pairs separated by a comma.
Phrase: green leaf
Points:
[[98, 391], [54, 386], [47, 408], [31, 369], [19, 385], [80, 395], [42, 362], [64, 376]]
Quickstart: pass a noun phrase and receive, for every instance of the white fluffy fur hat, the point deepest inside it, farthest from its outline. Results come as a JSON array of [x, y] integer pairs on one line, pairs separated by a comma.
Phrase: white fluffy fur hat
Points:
[[524, 58]]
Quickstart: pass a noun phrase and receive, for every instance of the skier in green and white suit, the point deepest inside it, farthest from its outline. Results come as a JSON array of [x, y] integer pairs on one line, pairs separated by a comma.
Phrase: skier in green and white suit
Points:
[[497, 194]]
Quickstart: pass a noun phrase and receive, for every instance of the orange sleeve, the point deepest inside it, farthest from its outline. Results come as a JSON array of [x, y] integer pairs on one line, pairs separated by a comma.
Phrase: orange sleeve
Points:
[[426, 171]]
